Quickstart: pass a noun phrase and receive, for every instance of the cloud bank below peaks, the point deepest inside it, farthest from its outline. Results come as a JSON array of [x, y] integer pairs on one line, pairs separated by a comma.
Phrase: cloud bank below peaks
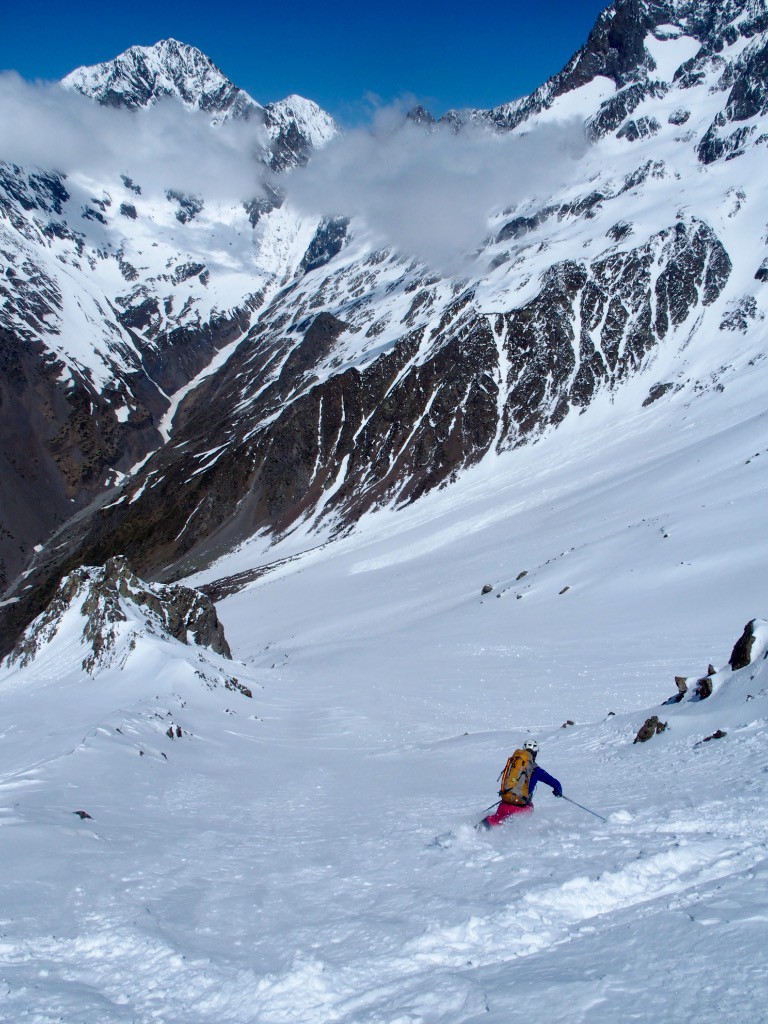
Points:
[[164, 146], [430, 194]]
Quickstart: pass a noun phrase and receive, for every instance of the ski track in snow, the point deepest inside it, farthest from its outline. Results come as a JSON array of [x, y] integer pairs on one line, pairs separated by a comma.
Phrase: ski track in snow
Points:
[[120, 970], [254, 910]]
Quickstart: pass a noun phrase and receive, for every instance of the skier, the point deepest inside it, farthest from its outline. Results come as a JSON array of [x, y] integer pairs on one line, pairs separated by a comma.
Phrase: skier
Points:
[[518, 781]]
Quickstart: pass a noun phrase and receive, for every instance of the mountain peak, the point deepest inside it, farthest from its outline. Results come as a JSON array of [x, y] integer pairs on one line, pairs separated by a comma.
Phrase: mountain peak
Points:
[[296, 114], [142, 75]]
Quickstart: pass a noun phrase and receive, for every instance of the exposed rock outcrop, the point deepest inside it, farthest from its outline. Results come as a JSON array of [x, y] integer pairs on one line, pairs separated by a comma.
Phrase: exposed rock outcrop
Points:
[[745, 647], [109, 606]]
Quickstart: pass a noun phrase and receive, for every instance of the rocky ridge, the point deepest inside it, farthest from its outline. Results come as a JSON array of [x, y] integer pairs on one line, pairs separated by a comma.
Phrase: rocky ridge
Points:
[[110, 609], [728, 51]]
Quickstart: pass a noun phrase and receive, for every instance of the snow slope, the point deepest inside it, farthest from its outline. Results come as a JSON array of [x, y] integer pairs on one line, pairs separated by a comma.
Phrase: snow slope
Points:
[[276, 860], [278, 866]]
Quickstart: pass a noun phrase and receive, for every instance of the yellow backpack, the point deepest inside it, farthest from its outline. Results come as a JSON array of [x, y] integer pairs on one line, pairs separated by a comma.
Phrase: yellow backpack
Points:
[[516, 778]]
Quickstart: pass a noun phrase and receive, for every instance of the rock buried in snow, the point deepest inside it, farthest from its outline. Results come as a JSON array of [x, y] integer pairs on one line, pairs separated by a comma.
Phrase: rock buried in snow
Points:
[[83, 815], [649, 729], [486, 589], [235, 684], [715, 736]]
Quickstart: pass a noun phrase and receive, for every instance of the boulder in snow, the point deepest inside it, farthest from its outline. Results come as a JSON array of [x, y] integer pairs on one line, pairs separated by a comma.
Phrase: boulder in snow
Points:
[[650, 727], [752, 642]]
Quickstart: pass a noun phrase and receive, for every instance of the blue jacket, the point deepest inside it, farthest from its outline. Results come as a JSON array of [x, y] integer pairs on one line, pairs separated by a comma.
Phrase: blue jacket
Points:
[[539, 775]]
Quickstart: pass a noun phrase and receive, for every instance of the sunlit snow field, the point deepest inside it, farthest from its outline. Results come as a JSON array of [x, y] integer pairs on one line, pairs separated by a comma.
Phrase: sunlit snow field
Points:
[[278, 863]]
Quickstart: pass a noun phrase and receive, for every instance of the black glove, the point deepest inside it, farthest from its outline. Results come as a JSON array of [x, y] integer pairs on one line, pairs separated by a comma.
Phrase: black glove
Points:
[[557, 792]]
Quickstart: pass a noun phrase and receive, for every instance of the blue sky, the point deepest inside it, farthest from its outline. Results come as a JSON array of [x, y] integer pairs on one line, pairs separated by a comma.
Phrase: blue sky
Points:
[[338, 54]]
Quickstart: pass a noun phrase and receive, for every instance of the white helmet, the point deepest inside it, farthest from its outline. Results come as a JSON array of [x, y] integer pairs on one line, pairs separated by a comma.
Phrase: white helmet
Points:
[[531, 745]]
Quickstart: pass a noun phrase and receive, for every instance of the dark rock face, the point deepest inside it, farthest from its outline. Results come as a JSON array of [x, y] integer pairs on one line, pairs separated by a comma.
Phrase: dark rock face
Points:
[[749, 95], [102, 595], [719, 734], [65, 435], [703, 688], [747, 80], [742, 313], [271, 199], [679, 117], [328, 242], [656, 392], [714, 146], [696, 265], [290, 146], [682, 685], [188, 206], [741, 655], [642, 128], [61, 442], [616, 110], [520, 226], [421, 116]]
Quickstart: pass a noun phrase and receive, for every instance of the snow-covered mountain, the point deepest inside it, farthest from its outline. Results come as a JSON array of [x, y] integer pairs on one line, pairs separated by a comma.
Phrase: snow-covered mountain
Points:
[[556, 468], [143, 75], [115, 295], [352, 376]]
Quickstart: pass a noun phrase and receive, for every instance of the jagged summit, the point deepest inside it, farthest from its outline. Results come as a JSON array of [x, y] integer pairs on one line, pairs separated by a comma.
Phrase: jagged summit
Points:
[[644, 49], [297, 126], [144, 74], [317, 124]]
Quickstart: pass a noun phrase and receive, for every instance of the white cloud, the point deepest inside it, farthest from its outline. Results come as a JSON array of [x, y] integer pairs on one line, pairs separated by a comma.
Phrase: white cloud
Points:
[[161, 147], [430, 194], [426, 193]]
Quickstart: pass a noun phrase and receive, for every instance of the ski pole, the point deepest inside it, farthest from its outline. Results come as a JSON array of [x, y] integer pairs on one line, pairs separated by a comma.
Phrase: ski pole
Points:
[[584, 808], [494, 806]]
